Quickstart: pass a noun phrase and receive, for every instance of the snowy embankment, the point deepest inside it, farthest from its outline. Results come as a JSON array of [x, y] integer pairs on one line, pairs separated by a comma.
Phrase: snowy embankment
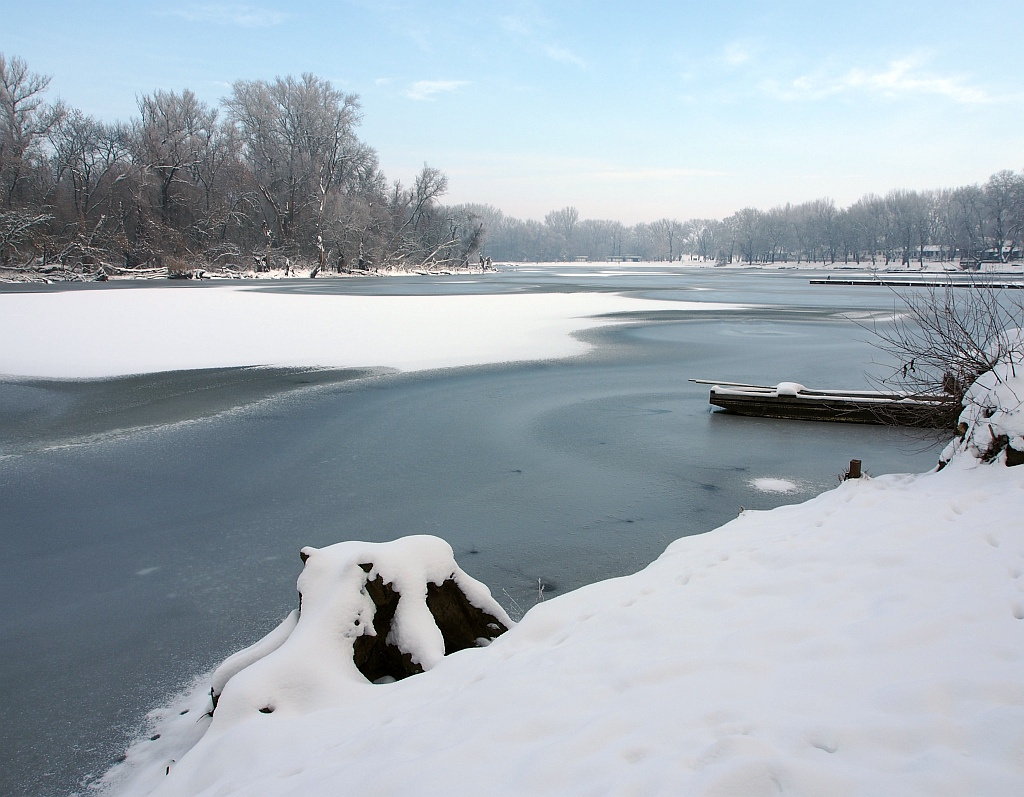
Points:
[[105, 333], [869, 641]]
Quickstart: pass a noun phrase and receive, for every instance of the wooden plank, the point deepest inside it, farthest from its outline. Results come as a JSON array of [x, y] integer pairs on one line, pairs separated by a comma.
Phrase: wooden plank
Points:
[[866, 395], [918, 283], [902, 412], [729, 384]]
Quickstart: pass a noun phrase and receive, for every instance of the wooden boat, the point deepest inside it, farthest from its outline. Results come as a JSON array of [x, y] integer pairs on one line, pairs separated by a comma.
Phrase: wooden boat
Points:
[[919, 282], [794, 401]]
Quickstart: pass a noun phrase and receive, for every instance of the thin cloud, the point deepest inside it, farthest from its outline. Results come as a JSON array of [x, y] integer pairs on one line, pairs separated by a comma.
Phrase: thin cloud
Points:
[[425, 90], [562, 55], [899, 78], [245, 16], [631, 175], [527, 166], [528, 34], [738, 53], [516, 26]]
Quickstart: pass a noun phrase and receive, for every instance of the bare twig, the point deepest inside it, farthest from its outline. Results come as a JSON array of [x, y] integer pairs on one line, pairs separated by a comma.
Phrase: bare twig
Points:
[[941, 339]]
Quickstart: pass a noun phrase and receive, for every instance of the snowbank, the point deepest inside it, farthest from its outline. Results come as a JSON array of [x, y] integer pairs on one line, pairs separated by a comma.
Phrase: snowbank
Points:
[[992, 424], [103, 333], [866, 642], [869, 641]]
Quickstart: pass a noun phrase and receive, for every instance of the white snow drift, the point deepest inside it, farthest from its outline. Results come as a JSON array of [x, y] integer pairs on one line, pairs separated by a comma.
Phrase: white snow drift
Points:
[[103, 333], [869, 641]]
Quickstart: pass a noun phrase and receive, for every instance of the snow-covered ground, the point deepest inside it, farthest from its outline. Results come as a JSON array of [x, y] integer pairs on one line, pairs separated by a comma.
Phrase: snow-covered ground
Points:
[[869, 641], [104, 333]]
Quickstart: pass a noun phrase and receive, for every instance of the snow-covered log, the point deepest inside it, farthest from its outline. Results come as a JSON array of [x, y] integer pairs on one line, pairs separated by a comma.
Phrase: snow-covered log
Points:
[[368, 612]]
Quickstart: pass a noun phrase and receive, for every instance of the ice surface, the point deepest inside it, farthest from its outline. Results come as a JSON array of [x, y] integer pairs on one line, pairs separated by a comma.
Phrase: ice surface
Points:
[[868, 641], [103, 333]]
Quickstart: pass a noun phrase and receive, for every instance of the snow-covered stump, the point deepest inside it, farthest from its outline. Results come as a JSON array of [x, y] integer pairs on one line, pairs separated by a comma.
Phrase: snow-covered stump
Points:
[[368, 612], [991, 427], [462, 625]]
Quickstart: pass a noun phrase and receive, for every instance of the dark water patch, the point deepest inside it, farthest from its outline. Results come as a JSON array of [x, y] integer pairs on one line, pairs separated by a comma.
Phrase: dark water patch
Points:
[[45, 412]]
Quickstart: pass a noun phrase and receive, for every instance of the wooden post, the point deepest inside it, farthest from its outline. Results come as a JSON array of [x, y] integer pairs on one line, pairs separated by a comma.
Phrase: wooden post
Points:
[[854, 472]]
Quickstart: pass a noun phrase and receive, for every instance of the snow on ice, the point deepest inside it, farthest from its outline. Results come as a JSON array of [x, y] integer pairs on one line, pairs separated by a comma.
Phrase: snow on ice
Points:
[[769, 484], [80, 334], [868, 641]]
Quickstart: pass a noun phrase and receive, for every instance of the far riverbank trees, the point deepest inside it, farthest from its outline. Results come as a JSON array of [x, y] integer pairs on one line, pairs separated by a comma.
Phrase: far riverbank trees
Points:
[[276, 176], [967, 225]]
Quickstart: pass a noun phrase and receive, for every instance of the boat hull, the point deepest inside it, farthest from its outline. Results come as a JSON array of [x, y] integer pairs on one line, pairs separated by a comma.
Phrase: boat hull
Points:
[[903, 412]]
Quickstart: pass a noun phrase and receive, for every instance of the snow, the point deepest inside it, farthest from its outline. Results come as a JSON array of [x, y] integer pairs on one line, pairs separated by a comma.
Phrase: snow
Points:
[[789, 388], [306, 664], [868, 641], [993, 415], [769, 484], [105, 333]]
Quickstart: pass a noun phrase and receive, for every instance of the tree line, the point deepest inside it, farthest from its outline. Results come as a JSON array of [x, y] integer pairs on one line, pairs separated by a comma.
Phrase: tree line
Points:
[[276, 176], [967, 225], [273, 177]]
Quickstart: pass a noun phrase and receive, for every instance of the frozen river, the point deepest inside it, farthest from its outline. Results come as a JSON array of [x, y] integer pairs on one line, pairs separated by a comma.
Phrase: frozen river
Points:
[[138, 560]]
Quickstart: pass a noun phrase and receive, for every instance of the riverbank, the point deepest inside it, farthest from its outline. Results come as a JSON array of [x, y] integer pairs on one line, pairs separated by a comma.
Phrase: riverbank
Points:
[[867, 641], [134, 561], [57, 276]]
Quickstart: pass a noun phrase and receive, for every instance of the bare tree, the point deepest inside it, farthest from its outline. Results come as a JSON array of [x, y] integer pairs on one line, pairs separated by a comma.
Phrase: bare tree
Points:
[[88, 157], [940, 340], [777, 228], [748, 227], [25, 119], [703, 239], [669, 232], [298, 135], [173, 137], [562, 224], [1003, 198], [17, 228]]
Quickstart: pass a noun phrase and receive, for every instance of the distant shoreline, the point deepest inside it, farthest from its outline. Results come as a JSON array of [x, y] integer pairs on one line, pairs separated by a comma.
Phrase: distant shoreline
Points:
[[56, 276]]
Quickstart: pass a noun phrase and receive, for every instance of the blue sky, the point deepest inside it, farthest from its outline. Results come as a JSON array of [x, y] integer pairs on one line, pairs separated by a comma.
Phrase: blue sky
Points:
[[627, 110]]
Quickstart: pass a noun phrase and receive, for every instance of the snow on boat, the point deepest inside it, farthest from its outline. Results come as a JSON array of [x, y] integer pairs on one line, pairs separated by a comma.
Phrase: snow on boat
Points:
[[792, 400]]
